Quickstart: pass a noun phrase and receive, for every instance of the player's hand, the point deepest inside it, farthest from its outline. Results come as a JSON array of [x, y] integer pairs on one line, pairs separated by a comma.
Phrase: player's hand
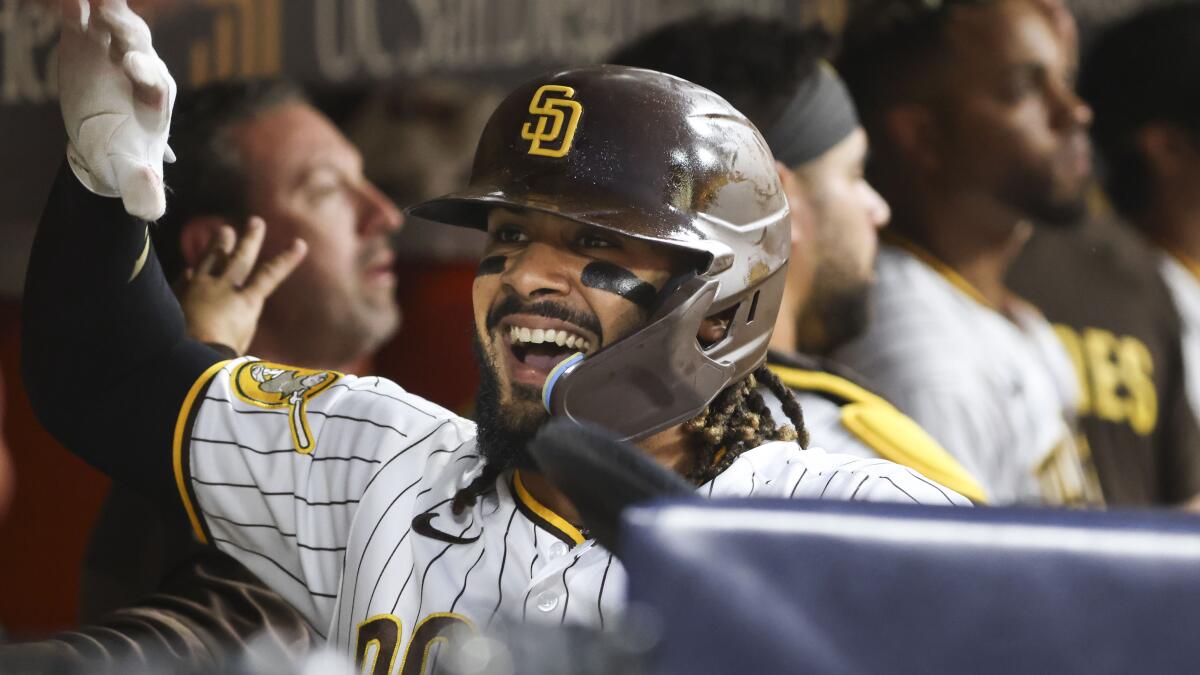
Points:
[[116, 97], [223, 296]]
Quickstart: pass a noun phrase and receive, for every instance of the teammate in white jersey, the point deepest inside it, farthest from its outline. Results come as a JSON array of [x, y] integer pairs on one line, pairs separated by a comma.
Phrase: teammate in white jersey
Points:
[[638, 240], [774, 73], [976, 131], [1147, 129]]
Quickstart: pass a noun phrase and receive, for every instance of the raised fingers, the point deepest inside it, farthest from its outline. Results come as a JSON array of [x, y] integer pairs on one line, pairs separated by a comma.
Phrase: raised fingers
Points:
[[241, 263], [219, 249], [128, 31], [75, 14], [149, 87], [272, 272]]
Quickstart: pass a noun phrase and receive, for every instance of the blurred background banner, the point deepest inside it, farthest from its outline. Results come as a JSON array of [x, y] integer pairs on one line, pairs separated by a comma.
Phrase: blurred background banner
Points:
[[323, 44], [337, 45]]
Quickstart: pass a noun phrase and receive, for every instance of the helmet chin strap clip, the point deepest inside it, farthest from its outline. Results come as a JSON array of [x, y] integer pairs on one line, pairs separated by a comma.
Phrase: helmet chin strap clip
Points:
[[551, 379]]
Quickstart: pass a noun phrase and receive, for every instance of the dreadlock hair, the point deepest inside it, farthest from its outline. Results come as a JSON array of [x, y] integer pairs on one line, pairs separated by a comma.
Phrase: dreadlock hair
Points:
[[477, 488], [738, 420]]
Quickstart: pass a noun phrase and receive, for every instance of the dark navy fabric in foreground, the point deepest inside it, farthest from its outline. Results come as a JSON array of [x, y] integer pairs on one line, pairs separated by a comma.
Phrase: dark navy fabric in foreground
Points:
[[818, 587]]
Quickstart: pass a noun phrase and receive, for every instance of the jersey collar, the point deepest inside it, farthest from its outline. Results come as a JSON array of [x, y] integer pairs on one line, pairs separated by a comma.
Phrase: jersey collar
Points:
[[945, 271], [542, 516]]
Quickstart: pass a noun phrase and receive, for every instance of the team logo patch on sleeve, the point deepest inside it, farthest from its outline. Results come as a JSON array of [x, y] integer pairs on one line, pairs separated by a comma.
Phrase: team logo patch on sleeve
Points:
[[271, 385]]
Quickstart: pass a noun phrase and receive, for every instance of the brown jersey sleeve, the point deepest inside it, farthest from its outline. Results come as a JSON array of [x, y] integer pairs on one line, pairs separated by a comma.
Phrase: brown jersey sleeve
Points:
[[207, 614]]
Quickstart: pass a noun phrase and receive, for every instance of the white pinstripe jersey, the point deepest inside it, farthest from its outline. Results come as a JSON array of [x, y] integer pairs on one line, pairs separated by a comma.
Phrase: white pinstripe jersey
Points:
[[1185, 292], [998, 394], [336, 491]]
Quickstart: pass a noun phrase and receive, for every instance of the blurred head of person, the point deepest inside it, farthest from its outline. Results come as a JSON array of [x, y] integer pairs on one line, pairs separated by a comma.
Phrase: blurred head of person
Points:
[[259, 148], [971, 109], [775, 74], [1142, 79]]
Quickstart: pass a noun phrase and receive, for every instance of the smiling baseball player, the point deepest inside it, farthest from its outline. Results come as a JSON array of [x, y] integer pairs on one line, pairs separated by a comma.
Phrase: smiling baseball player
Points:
[[637, 248]]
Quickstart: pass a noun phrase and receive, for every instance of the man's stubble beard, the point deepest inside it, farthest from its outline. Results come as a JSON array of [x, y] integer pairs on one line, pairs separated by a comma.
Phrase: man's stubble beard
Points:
[[842, 311], [1036, 195], [324, 329]]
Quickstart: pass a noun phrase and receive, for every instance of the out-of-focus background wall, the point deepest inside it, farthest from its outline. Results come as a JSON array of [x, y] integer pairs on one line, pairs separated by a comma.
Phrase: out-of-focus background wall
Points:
[[410, 81]]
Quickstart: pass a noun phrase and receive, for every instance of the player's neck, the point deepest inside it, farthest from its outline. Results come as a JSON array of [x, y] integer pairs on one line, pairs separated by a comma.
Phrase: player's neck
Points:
[[784, 337], [979, 245], [671, 448], [269, 346]]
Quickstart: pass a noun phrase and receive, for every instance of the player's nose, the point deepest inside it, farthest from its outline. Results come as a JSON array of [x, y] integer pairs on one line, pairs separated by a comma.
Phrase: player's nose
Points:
[[537, 272], [378, 213], [879, 212]]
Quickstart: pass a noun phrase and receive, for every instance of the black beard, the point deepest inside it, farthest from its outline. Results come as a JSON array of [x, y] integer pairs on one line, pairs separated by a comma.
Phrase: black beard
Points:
[[842, 314], [845, 316], [500, 439], [1030, 198]]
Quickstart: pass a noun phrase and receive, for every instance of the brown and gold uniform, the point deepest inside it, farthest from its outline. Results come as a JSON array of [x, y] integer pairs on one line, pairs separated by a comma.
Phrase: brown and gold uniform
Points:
[[1100, 286]]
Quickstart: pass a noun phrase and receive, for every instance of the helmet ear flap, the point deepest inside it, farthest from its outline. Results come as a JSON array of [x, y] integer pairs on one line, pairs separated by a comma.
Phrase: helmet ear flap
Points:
[[673, 284], [742, 313]]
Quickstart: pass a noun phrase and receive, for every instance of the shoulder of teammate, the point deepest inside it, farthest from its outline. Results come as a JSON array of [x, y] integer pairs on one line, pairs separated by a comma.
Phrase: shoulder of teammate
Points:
[[784, 469], [874, 422]]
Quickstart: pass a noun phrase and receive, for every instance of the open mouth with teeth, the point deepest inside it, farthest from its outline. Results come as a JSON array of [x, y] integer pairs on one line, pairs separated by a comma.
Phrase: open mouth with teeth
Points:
[[536, 351]]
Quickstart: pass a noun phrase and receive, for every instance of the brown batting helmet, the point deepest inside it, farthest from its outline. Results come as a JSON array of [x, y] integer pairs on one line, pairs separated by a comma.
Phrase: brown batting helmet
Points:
[[655, 157]]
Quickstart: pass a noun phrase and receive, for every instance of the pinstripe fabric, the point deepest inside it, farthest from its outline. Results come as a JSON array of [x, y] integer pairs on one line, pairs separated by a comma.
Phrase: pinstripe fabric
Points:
[[333, 531]]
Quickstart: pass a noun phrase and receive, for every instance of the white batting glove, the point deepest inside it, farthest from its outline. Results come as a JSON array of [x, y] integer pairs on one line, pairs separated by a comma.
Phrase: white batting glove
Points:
[[116, 97]]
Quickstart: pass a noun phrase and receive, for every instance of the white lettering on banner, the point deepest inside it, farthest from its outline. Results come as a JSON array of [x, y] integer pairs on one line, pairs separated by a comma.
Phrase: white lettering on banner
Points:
[[449, 35], [28, 62], [367, 39]]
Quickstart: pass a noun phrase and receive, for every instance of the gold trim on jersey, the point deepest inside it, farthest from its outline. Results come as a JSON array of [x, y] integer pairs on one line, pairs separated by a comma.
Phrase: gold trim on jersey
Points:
[[883, 428], [439, 623], [391, 647], [948, 273], [541, 514], [182, 424]]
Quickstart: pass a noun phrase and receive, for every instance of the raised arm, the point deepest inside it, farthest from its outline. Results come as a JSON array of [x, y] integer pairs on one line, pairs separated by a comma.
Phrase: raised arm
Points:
[[106, 358]]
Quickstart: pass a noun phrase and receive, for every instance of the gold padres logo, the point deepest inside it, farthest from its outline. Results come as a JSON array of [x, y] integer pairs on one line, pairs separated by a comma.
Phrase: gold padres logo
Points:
[[270, 385], [558, 113]]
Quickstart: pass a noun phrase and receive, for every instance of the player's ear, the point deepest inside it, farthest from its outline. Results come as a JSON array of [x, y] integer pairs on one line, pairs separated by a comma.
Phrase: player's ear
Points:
[[801, 215], [195, 237], [913, 130], [1166, 149], [713, 329]]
